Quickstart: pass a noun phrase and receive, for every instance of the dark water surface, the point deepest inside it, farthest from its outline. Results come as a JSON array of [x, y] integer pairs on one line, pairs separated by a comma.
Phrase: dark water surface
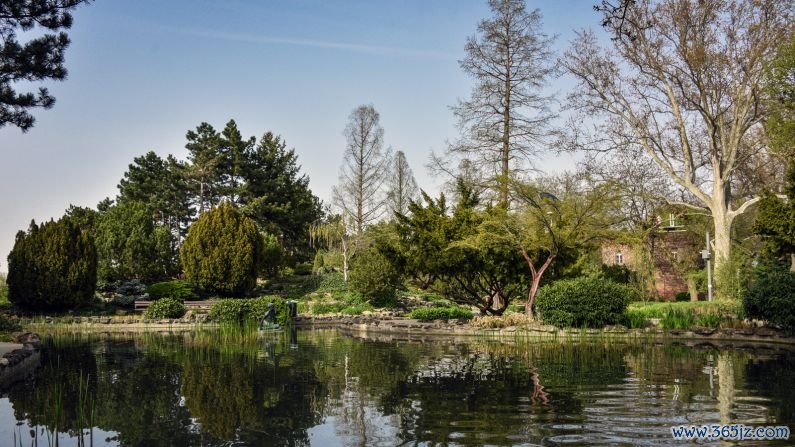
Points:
[[322, 388]]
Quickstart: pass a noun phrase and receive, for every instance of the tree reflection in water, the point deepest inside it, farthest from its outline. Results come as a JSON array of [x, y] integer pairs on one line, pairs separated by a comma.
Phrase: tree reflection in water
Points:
[[321, 388]]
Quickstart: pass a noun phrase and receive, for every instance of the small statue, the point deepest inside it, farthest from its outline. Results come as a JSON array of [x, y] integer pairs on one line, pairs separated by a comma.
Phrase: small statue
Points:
[[269, 321]]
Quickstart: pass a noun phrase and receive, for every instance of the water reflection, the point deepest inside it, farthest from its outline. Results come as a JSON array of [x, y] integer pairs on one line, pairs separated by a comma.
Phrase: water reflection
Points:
[[320, 388]]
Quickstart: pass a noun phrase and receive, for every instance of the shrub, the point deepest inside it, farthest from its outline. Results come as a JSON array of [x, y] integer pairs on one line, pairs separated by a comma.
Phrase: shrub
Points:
[[683, 296], [374, 276], [302, 269], [237, 311], [772, 298], [180, 290], [165, 308], [271, 255], [9, 323], [126, 293], [318, 266], [223, 252], [582, 302], [634, 319], [440, 313], [52, 267]]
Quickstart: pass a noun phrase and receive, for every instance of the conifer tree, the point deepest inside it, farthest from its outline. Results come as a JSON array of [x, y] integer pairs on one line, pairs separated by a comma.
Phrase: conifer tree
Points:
[[223, 252], [53, 266]]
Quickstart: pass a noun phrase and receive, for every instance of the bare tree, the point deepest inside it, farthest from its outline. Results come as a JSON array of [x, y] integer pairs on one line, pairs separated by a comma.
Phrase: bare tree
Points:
[[687, 90], [402, 187], [364, 168], [506, 119]]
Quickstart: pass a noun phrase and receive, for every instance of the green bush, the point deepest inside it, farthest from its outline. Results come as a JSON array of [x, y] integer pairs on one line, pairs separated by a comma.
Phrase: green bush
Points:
[[271, 255], [237, 311], [52, 267], [302, 269], [772, 298], [582, 302], [440, 313], [165, 308], [9, 323], [180, 290], [373, 276], [318, 266], [683, 296], [708, 320], [223, 252]]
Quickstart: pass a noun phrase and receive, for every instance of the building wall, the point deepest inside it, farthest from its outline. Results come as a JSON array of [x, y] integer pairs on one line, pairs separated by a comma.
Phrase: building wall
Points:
[[667, 282]]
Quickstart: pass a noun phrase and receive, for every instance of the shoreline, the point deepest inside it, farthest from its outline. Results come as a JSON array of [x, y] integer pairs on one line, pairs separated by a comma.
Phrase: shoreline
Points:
[[396, 328]]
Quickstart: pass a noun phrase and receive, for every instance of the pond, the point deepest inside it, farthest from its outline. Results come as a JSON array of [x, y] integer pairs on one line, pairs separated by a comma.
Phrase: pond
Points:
[[323, 388]]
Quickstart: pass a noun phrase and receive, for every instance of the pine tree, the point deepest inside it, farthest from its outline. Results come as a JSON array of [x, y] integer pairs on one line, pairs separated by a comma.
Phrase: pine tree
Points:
[[38, 58]]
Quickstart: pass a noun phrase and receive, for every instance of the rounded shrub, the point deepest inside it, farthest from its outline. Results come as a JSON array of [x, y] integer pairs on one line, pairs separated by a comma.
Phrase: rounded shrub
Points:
[[373, 276], [582, 302], [180, 290], [52, 267], [223, 252], [772, 298], [165, 308]]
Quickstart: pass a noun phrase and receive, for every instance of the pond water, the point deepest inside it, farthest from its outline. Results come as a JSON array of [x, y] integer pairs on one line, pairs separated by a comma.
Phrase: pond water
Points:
[[323, 388]]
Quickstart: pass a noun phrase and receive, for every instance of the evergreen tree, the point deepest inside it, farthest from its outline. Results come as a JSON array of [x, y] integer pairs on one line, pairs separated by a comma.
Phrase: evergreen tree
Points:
[[277, 196], [131, 246], [38, 58], [52, 267], [223, 252], [162, 186], [204, 157], [233, 151]]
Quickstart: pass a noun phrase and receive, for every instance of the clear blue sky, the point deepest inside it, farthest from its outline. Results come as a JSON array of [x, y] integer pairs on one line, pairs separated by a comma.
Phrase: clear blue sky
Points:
[[143, 72]]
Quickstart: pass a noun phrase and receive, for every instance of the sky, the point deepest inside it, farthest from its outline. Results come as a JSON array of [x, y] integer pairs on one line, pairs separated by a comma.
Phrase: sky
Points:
[[144, 72]]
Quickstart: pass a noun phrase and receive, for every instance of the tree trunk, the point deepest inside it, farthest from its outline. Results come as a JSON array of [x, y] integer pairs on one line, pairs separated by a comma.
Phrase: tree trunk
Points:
[[792, 262], [344, 260]]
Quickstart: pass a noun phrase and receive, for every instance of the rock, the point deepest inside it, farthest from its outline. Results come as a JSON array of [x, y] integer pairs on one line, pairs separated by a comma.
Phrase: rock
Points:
[[766, 332], [704, 330], [28, 338], [4, 362]]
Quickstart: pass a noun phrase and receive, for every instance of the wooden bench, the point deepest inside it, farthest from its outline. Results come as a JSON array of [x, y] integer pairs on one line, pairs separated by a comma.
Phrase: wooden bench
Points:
[[203, 305]]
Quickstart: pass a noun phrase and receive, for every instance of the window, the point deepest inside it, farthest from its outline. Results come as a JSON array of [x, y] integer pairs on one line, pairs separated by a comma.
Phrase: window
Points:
[[619, 258]]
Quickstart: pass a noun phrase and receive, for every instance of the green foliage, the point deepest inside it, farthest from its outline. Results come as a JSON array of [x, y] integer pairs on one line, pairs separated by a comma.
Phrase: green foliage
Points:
[[708, 320], [780, 125], [617, 273], [130, 246], [52, 267], [683, 296], [677, 318], [36, 58], [775, 220], [373, 276], [9, 323], [319, 264], [271, 255], [440, 313], [239, 311], [582, 302], [179, 290], [162, 184], [165, 308], [302, 269], [277, 196], [633, 319], [733, 276], [223, 252], [772, 298], [455, 254], [3, 290]]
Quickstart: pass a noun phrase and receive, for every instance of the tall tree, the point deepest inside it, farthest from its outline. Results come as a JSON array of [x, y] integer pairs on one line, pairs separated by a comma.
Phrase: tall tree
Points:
[[277, 196], [162, 186], [402, 187], [233, 150], [203, 155], [506, 120], [687, 90], [365, 163], [39, 58]]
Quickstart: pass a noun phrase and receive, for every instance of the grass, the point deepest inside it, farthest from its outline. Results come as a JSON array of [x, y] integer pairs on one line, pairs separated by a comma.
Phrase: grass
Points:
[[685, 314]]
